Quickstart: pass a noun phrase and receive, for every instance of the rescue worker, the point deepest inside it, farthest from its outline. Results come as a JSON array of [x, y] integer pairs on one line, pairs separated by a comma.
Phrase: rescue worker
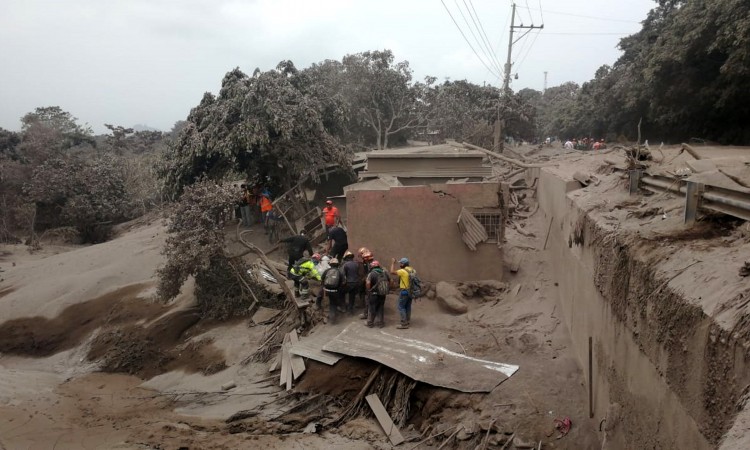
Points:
[[265, 207], [296, 247], [404, 297], [365, 258], [303, 270], [330, 215], [337, 243], [377, 285], [351, 274], [333, 285]]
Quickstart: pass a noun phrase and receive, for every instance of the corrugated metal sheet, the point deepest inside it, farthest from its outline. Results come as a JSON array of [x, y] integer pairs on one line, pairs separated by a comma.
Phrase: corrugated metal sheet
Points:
[[472, 232], [420, 360]]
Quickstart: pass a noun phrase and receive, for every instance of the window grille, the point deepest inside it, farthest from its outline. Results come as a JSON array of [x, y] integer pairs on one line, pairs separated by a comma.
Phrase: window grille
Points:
[[492, 220]]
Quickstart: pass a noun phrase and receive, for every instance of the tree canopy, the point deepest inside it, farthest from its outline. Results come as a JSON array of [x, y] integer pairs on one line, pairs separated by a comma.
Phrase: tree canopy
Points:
[[262, 126]]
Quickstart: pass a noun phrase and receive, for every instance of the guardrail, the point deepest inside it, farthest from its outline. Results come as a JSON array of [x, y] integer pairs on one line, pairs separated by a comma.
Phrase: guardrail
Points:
[[697, 195]]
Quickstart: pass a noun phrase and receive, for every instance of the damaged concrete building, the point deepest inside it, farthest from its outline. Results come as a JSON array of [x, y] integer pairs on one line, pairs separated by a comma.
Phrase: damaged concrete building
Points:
[[433, 204]]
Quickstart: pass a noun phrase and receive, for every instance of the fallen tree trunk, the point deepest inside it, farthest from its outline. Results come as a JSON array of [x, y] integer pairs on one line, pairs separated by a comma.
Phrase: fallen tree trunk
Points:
[[515, 162]]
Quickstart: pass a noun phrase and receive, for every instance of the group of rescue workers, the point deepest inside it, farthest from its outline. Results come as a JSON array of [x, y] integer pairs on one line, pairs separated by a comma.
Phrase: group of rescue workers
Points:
[[344, 276]]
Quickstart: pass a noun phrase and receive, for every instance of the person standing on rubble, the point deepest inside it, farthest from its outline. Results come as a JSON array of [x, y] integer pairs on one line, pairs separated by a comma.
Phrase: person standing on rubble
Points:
[[330, 215], [266, 206], [296, 247], [364, 261], [337, 243], [353, 280], [377, 286], [333, 285], [404, 284], [303, 270]]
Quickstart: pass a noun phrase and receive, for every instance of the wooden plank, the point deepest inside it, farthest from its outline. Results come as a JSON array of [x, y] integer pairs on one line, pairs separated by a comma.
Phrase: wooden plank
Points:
[[284, 362], [298, 364], [288, 362], [384, 419], [303, 349]]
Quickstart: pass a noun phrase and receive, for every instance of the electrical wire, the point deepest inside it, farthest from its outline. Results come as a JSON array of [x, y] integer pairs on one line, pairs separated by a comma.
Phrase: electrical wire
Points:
[[484, 34], [467, 40], [589, 34], [476, 40], [536, 35], [541, 13], [582, 16]]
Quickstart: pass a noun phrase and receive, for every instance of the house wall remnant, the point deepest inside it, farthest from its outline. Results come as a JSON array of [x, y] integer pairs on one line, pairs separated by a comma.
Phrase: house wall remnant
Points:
[[419, 222]]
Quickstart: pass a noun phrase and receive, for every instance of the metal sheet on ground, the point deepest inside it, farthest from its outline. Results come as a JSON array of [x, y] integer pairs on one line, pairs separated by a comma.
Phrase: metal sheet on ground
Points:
[[421, 361]]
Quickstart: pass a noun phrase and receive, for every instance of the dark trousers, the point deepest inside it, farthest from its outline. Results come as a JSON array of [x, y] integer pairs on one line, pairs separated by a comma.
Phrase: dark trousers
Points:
[[376, 306], [352, 287], [334, 299], [338, 251]]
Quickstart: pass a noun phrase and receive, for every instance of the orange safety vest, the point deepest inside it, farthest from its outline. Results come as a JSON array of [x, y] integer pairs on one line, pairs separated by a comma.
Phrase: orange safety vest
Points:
[[331, 214], [265, 204]]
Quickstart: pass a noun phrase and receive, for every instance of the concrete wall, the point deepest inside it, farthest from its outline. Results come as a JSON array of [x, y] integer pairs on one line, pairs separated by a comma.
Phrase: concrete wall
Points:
[[652, 416], [419, 222]]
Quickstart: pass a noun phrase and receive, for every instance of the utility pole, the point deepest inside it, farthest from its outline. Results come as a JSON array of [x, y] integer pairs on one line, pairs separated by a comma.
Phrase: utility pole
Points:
[[545, 82], [499, 124]]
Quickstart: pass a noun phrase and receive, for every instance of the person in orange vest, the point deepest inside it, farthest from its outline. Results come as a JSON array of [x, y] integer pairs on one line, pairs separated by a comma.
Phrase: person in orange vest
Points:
[[265, 207], [330, 215]]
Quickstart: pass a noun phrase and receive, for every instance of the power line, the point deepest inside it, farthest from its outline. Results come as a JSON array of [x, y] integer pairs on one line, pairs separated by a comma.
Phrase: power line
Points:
[[536, 35], [559, 13], [541, 12], [476, 40], [590, 34], [467, 40], [484, 34]]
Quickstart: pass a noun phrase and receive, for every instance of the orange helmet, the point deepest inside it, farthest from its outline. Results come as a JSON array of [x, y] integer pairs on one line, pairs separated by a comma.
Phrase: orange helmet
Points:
[[362, 251]]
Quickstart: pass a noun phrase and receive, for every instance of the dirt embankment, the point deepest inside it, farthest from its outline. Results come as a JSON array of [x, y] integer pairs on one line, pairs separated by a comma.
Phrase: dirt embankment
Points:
[[134, 335], [676, 330]]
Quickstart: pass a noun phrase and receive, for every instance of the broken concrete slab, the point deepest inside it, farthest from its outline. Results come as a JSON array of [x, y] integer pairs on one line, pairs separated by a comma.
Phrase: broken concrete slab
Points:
[[421, 361], [450, 298]]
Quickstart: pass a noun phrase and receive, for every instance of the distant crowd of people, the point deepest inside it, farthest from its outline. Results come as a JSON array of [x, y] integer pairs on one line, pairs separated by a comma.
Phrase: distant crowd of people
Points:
[[584, 144], [344, 276]]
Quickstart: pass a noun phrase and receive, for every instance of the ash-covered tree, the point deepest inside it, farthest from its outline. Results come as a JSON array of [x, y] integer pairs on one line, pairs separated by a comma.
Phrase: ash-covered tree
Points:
[[382, 96], [196, 247], [82, 191], [262, 126]]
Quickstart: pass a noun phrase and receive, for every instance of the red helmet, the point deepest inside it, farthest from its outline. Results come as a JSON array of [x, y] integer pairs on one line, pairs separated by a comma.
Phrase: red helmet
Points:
[[316, 256], [375, 264]]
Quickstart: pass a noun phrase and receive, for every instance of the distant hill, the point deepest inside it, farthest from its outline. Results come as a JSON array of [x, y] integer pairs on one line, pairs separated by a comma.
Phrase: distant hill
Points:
[[141, 127]]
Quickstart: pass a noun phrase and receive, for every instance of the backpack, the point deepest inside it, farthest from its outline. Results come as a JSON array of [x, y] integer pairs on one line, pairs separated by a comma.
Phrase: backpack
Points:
[[415, 284], [382, 287], [332, 278]]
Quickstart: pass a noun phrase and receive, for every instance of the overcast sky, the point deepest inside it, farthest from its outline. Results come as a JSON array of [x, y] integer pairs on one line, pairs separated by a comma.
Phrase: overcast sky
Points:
[[130, 62]]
